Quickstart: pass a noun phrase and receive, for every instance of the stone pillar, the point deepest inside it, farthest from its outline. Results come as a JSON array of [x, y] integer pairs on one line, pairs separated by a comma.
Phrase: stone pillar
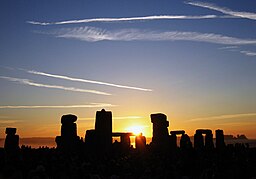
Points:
[[140, 142], [103, 129], [173, 141], [220, 144], [173, 138], [68, 140], [160, 137], [209, 140], [125, 141], [185, 142], [11, 143], [198, 140]]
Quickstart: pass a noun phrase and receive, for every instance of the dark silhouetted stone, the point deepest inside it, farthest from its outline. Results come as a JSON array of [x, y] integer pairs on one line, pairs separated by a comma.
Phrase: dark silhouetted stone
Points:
[[125, 139], [199, 139], [160, 137], [69, 118], [209, 140], [220, 143], [68, 141], [11, 144], [185, 142], [103, 129], [140, 142], [10, 131], [178, 132]]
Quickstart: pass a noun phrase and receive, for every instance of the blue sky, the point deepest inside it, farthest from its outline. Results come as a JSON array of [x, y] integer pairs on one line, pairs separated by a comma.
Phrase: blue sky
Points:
[[192, 60]]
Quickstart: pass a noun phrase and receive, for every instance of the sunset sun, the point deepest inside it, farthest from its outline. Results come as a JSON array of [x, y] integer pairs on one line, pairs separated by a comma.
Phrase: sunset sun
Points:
[[136, 130]]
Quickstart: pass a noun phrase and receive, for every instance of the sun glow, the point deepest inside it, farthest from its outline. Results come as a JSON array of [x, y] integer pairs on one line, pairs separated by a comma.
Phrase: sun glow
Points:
[[136, 130]]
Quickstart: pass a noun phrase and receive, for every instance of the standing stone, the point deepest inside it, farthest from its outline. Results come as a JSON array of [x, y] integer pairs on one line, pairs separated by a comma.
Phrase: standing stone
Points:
[[198, 140], [220, 144], [209, 140], [173, 138], [68, 141], [140, 142], [160, 137], [185, 142], [11, 144], [103, 129]]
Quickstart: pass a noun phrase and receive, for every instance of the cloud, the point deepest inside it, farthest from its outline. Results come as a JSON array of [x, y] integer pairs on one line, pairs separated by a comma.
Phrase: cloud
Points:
[[122, 19], [228, 47], [248, 53], [85, 80], [31, 83], [92, 34], [224, 10], [229, 116], [10, 121], [91, 105]]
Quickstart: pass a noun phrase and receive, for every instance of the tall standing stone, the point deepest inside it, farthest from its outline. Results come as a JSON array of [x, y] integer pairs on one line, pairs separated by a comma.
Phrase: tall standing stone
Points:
[[198, 140], [68, 140], [140, 142], [103, 129], [160, 137], [220, 144], [11, 143]]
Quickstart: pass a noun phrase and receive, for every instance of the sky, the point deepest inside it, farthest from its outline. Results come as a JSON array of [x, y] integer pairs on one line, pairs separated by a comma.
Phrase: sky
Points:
[[194, 61]]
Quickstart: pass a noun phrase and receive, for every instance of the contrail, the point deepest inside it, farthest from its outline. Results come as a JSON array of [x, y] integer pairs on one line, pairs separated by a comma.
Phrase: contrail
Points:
[[91, 105], [248, 53], [85, 80], [31, 83], [224, 10], [156, 17]]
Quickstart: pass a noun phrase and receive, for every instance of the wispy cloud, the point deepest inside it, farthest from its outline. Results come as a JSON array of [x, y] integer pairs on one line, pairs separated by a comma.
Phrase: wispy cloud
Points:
[[224, 10], [85, 80], [91, 105], [10, 121], [229, 116], [248, 53], [92, 34], [143, 18], [31, 83], [228, 47]]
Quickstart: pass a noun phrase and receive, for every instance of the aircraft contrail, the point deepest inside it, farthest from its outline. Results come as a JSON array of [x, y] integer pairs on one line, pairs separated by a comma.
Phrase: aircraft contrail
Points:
[[91, 105], [31, 83], [86, 81], [154, 17]]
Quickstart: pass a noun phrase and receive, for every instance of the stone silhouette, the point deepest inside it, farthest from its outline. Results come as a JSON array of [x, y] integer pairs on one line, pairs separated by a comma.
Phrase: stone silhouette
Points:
[[100, 139], [68, 141], [140, 142], [160, 137], [11, 143], [199, 142], [103, 129], [173, 137], [220, 144], [125, 141]]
